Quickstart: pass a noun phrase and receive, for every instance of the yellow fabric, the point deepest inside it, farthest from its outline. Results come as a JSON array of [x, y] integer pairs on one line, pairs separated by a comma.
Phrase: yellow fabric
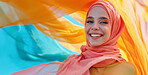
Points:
[[47, 16]]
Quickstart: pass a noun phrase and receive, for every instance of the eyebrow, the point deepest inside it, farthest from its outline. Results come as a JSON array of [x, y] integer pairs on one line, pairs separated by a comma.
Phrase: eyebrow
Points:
[[99, 18], [90, 17], [103, 18]]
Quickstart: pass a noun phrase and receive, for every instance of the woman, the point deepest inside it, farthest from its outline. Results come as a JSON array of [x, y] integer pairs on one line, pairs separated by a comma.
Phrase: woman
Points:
[[101, 56], [103, 27]]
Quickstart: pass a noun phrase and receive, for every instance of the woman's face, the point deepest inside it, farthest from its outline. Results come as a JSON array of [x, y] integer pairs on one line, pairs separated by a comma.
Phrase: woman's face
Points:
[[98, 28]]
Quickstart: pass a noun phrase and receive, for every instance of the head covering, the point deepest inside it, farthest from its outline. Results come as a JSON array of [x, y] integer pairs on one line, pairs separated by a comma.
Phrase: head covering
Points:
[[117, 23], [101, 55], [133, 40]]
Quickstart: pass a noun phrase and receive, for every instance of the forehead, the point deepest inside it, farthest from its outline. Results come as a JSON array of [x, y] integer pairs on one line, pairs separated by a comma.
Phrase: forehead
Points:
[[97, 12]]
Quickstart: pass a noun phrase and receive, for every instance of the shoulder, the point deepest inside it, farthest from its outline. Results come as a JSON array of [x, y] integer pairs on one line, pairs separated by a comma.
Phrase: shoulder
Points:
[[124, 68], [127, 65], [127, 68]]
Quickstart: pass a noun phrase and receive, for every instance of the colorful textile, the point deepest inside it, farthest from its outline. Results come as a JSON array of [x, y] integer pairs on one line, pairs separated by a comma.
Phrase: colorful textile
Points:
[[102, 55], [47, 16], [24, 46]]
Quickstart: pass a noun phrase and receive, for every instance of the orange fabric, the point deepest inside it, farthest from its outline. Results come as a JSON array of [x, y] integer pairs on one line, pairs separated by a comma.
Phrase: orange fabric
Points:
[[101, 55], [47, 17]]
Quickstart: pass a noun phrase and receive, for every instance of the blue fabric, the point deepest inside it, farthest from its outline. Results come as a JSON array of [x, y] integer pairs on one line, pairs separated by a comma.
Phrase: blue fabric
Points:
[[22, 47], [73, 20]]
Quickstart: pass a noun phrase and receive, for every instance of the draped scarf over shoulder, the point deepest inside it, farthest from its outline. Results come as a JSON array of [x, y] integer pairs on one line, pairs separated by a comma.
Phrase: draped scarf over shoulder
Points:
[[99, 56], [102, 55]]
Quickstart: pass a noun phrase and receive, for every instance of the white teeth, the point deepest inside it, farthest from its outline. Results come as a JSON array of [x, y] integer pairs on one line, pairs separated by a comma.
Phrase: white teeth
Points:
[[95, 35]]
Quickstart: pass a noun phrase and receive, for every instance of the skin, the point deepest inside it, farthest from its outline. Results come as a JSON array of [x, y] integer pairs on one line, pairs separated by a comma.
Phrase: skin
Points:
[[124, 68], [98, 22]]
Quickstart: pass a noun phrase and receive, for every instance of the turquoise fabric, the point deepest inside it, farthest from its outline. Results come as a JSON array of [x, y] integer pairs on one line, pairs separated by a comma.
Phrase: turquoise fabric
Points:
[[24, 46]]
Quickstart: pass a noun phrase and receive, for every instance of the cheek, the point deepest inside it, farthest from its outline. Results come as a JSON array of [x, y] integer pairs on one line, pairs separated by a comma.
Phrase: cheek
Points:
[[87, 29], [86, 32], [107, 31]]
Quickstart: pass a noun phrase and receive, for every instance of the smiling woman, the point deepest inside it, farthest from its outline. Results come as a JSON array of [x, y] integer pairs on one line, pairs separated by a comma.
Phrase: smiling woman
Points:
[[98, 26], [101, 22], [101, 55], [103, 27]]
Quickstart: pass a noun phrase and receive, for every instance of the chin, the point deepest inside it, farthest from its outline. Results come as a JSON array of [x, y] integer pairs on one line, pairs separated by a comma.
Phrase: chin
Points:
[[94, 44]]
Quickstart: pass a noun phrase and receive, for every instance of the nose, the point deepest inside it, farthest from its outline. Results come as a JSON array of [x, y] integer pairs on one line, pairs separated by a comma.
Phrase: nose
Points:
[[95, 26]]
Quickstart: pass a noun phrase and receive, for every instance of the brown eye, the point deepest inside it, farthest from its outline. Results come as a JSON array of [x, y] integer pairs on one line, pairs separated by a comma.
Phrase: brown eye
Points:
[[89, 22]]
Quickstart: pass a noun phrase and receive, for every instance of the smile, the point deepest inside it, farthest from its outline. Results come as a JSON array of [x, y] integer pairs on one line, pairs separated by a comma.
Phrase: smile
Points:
[[95, 35]]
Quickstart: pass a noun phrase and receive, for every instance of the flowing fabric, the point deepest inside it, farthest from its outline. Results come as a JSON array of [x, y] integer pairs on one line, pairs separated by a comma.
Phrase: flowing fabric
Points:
[[102, 55], [47, 16], [24, 46]]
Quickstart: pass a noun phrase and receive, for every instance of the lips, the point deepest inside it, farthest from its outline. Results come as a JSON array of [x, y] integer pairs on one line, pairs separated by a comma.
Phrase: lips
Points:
[[95, 35]]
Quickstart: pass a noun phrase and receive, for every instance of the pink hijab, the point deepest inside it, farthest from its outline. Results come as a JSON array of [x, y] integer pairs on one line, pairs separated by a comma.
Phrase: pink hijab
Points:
[[100, 56]]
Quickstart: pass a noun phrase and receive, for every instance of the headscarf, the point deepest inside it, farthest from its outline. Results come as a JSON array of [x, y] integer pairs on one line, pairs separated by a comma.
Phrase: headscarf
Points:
[[133, 41], [101, 55]]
